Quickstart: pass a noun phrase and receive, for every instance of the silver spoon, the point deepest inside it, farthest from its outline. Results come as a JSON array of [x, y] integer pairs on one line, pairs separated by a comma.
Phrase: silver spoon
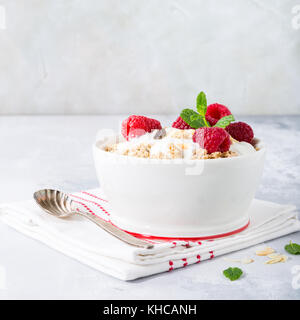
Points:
[[60, 205]]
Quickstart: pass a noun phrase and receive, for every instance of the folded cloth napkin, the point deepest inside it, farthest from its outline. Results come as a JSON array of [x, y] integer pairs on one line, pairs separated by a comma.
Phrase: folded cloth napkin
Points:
[[83, 240]]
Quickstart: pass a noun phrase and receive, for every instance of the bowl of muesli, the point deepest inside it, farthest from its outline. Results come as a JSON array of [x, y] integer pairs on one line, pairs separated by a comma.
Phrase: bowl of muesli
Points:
[[195, 179]]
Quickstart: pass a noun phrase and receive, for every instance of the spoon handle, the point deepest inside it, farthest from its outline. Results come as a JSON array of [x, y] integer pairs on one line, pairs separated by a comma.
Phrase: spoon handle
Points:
[[122, 235]]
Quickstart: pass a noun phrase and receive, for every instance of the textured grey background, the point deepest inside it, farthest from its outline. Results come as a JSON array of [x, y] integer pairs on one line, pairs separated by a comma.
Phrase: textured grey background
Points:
[[148, 56]]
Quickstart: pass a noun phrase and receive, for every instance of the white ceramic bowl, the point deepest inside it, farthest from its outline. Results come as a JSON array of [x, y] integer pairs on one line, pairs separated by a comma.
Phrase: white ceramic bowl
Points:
[[178, 198]]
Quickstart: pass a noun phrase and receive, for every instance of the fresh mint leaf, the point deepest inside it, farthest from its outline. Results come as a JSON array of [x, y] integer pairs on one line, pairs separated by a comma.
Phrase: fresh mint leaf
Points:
[[197, 121], [292, 248], [186, 114], [233, 273], [225, 121], [194, 119], [201, 103]]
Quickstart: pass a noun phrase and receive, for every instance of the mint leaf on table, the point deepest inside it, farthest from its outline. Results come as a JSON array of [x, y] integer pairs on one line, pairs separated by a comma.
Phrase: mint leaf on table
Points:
[[292, 248], [233, 273], [225, 121], [192, 118], [201, 103]]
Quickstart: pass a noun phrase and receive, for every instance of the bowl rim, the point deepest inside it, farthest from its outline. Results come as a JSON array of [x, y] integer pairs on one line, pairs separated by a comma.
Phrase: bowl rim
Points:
[[96, 147]]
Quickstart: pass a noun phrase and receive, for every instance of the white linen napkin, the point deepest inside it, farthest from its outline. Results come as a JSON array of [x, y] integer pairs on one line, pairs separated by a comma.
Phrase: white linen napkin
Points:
[[83, 240]]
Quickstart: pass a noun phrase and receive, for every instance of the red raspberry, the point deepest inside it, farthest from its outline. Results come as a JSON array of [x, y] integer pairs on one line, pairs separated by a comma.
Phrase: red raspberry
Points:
[[135, 126], [240, 131], [212, 139], [180, 124], [215, 112]]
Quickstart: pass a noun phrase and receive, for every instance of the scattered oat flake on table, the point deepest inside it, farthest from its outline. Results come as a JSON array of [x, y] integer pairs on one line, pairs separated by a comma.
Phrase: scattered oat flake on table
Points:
[[275, 258], [277, 255], [247, 260], [264, 252], [243, 261]]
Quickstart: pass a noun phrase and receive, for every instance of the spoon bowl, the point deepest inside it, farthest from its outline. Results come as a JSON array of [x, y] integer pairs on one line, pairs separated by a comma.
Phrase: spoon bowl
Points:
[[55, 202]]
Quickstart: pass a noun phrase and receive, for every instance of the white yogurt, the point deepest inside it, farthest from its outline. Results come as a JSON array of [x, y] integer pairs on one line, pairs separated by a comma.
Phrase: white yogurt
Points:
[[163, 146], [242, 148]]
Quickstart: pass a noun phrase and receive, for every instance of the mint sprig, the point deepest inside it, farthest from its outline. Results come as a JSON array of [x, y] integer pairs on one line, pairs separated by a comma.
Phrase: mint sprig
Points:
[[233, 273], [292, 248], [225, 121], [197, 119]]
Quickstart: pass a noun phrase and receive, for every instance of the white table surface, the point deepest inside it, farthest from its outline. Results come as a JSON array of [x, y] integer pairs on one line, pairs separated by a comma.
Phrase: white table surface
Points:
[[55, 151]]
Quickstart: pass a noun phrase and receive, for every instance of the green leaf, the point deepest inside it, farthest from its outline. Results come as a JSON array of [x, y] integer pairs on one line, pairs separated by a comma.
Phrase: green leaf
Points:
[[194, 119], [201, 103], [225, 121], [292, 248], [186, 114], [197, 121], [233, 273]]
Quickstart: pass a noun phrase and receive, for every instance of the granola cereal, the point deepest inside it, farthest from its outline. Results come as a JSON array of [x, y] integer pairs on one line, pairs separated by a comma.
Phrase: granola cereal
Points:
[[172, 143]]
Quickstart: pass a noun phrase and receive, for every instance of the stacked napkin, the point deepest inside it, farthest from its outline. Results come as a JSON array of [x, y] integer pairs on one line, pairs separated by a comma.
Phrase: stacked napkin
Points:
[[83, 240]]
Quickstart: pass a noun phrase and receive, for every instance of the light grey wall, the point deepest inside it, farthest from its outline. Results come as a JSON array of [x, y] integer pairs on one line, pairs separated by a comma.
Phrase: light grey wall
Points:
[[148, 56]]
